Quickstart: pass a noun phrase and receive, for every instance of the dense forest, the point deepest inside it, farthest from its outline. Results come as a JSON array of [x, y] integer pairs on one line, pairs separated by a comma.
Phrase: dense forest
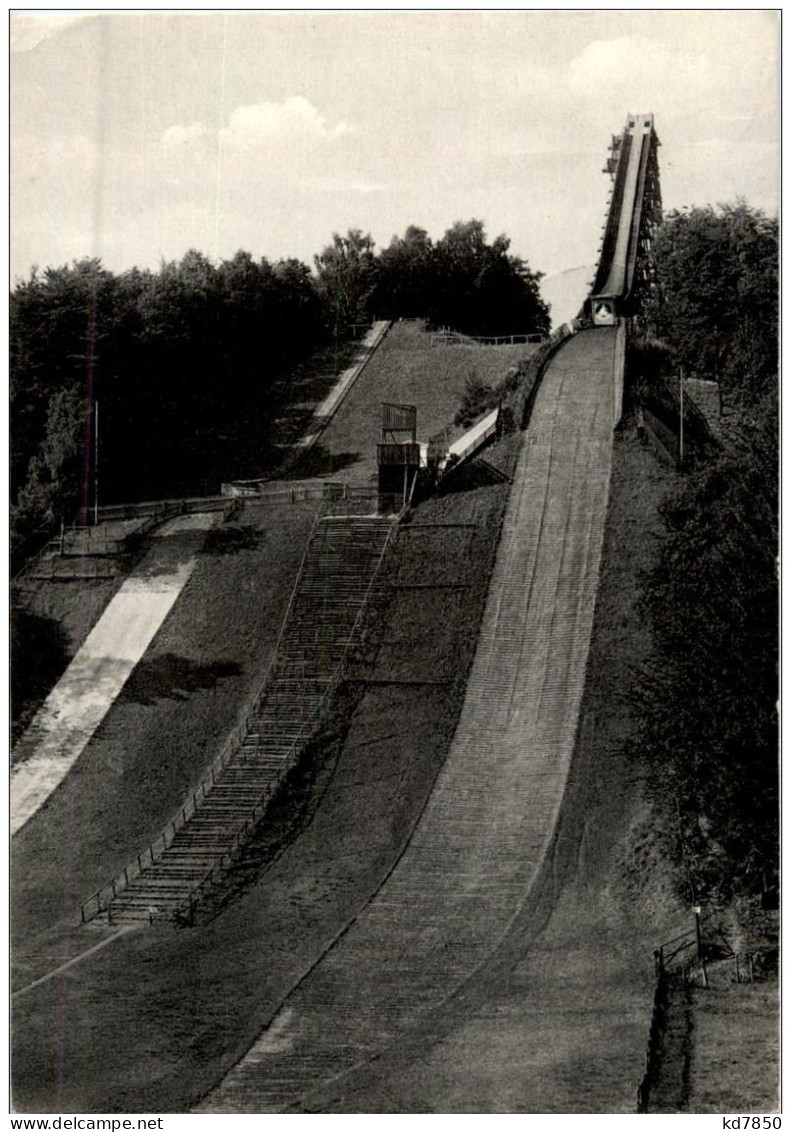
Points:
[[190, 364], [709, 731]]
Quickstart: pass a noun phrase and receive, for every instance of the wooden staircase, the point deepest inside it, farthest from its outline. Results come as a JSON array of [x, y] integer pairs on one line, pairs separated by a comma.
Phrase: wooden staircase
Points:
[[340, 565]]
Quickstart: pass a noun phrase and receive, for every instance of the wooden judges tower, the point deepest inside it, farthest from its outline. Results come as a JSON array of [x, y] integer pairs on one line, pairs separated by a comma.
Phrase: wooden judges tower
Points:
[[398, 452]]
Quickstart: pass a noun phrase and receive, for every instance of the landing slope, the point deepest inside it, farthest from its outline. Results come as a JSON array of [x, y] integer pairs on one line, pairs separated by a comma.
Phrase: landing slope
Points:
[[405, 369], [478, 849]]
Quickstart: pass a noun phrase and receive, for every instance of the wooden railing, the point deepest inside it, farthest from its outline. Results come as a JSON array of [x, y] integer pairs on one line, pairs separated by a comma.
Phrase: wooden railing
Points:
[[453, 338], [687, 959]]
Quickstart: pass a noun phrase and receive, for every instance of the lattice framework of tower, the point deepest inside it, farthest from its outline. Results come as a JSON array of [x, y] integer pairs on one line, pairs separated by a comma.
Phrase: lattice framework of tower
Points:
[[625, 273], [650, 220]]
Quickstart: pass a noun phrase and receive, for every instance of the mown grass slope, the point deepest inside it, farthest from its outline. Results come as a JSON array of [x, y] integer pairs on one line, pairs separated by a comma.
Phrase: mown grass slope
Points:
[[407, 370], [169, 722], [173, 1010], [559, 1021], [49, 623]]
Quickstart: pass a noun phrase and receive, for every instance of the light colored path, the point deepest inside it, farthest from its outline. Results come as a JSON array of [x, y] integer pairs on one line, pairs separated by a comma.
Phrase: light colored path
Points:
[[77, 959], [469, 870], [68, 718], [331, 402]]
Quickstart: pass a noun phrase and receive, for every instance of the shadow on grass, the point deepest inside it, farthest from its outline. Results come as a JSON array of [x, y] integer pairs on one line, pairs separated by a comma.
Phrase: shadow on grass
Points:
[[172, 677], [39, 656], [293, 805], [231, 540], [471, 475], [319, 461]]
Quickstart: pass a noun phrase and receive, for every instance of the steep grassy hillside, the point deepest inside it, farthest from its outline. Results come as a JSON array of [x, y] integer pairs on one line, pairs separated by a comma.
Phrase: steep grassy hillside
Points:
[[168, 723], [173, 1010], [559, 1021], [49, 623], [405, 369]]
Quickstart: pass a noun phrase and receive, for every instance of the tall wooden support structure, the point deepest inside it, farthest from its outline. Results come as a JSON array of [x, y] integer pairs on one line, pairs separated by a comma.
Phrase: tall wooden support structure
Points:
[[398, 452], [624, 272]]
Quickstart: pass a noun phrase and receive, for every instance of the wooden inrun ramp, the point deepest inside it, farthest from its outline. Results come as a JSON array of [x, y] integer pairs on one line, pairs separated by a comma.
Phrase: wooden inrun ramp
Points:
[[339, 568], [477, 851]]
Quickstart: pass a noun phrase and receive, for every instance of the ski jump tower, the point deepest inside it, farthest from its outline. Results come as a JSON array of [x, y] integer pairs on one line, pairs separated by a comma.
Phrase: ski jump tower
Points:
[[635, 211]]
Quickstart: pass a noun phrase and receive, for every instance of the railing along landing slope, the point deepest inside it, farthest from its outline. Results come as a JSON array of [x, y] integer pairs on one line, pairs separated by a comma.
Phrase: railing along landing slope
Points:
[[169, 877], [466, 877]]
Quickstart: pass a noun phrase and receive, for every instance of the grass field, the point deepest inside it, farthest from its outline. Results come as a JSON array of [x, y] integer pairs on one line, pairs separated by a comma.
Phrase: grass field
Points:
[[559, 1023], [565, 1008], [50, 621], [720, 1050], [735, 1064], [173, 1010], [404, 370], [168, 723]]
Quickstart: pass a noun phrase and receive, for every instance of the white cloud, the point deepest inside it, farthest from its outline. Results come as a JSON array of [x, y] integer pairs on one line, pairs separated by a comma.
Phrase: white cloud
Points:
[[639, 66], [27, 30], [500, 115], [295, 118], [52, 158], [183, 135], [343, 184]]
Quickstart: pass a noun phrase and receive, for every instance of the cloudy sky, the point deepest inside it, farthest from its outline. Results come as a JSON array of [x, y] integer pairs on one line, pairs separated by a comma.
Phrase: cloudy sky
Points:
[[135, 136]]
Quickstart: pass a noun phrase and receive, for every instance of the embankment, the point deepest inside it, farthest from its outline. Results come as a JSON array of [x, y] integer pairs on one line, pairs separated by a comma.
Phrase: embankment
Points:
[[470, 867], [173, 1010]]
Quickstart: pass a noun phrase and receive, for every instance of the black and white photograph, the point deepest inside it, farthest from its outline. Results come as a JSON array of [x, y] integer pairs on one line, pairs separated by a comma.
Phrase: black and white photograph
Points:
[[394, 568]]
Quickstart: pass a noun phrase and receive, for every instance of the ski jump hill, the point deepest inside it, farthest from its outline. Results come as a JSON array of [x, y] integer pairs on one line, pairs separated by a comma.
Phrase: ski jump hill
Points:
[[426, 830]]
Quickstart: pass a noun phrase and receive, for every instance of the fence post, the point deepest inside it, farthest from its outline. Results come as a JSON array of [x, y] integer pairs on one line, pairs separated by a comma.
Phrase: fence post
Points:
[[699, 943]]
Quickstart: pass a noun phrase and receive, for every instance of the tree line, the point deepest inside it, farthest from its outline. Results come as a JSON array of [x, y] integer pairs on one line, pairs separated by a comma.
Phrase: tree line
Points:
[[709, 727], [190, 363]]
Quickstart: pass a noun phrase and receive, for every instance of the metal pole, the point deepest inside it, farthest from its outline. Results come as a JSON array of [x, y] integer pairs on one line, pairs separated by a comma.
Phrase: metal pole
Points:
[[699, 942], [96, 464]]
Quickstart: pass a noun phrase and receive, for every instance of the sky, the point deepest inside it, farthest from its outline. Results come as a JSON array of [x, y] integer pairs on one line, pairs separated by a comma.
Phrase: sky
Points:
[[136, 136]]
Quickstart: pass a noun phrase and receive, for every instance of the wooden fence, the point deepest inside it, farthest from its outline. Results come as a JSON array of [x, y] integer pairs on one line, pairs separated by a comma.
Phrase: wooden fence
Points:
[[452, 338]]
